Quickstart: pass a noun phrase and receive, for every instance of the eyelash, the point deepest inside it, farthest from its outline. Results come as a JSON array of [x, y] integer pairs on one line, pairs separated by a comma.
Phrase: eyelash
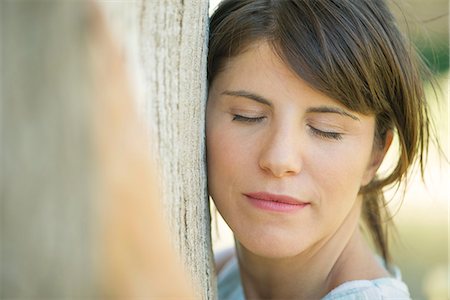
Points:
[[322, 134], [240, 118], [326, 134]]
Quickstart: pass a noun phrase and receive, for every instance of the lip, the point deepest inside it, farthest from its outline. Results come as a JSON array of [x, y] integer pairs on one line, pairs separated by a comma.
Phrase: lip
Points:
[[274, 202]]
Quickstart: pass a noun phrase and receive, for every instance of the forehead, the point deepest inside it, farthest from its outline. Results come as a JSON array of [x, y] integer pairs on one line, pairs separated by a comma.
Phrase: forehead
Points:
[[259, 69]]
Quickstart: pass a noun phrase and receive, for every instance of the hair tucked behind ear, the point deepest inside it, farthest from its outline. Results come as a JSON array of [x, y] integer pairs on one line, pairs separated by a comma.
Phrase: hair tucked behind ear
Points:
[[353, 52]]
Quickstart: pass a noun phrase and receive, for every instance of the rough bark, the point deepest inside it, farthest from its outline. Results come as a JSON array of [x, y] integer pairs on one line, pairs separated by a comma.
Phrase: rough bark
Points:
[[165, 43], [53, 226]]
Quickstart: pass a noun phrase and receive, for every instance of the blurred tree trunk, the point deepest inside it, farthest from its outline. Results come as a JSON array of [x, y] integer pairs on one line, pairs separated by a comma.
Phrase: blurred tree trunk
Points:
[[46, 211], [55, 231], [165, 43]]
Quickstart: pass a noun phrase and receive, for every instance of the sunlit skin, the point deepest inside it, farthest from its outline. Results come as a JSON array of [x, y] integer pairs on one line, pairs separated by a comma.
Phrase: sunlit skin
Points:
[[269, 131]]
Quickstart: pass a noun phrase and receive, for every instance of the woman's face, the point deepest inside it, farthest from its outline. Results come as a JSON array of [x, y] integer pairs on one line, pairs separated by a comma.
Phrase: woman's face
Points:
[[285, 162]]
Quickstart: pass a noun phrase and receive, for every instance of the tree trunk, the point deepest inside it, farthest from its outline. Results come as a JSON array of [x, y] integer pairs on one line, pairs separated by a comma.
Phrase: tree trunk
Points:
[[55, 231], [46, 211], [165, 43]]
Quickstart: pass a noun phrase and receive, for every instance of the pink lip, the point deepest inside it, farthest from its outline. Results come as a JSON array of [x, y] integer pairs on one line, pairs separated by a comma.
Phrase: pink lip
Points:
[[272, 202]]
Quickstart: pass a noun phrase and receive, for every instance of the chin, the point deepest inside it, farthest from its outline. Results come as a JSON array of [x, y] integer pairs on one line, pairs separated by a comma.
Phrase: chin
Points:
[[274, 248]]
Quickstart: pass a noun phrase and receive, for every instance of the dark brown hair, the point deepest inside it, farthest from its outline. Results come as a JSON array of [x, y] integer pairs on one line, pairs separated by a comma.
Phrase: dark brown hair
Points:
[[352, 51]]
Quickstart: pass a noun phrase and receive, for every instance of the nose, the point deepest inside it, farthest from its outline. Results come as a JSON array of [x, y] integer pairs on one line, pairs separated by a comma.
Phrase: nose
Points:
[[281, 155]]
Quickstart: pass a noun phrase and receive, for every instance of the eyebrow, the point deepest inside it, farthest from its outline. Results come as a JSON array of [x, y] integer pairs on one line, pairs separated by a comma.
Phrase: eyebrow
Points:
[[319, 109], [249, 95], [332, 109]]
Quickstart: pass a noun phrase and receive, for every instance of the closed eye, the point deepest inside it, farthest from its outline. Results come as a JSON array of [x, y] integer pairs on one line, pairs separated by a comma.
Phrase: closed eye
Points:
[[241, 118], [326, 134]]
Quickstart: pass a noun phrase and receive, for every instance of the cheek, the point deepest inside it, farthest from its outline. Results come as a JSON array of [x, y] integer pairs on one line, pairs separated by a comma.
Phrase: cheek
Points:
[[223, 156], [219, 151], [225, 163], [339, 170], [228, 150]]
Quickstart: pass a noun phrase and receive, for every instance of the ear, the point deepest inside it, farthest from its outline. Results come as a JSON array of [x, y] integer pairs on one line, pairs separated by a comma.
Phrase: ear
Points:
[[378, 154]]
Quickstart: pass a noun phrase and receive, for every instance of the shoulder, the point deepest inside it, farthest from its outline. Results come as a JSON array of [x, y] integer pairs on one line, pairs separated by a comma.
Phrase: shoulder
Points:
[[222, 257], [382, 288], [228, 277]]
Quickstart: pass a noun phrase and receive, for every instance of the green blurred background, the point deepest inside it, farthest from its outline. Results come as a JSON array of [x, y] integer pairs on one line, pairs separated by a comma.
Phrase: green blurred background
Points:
[[420, 247]]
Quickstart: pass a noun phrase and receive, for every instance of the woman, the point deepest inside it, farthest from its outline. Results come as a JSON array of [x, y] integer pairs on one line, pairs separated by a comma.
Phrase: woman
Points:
[[305, 98]]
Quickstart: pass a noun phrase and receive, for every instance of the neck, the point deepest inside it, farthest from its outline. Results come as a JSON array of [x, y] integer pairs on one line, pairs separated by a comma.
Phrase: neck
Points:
[[313, 273]]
